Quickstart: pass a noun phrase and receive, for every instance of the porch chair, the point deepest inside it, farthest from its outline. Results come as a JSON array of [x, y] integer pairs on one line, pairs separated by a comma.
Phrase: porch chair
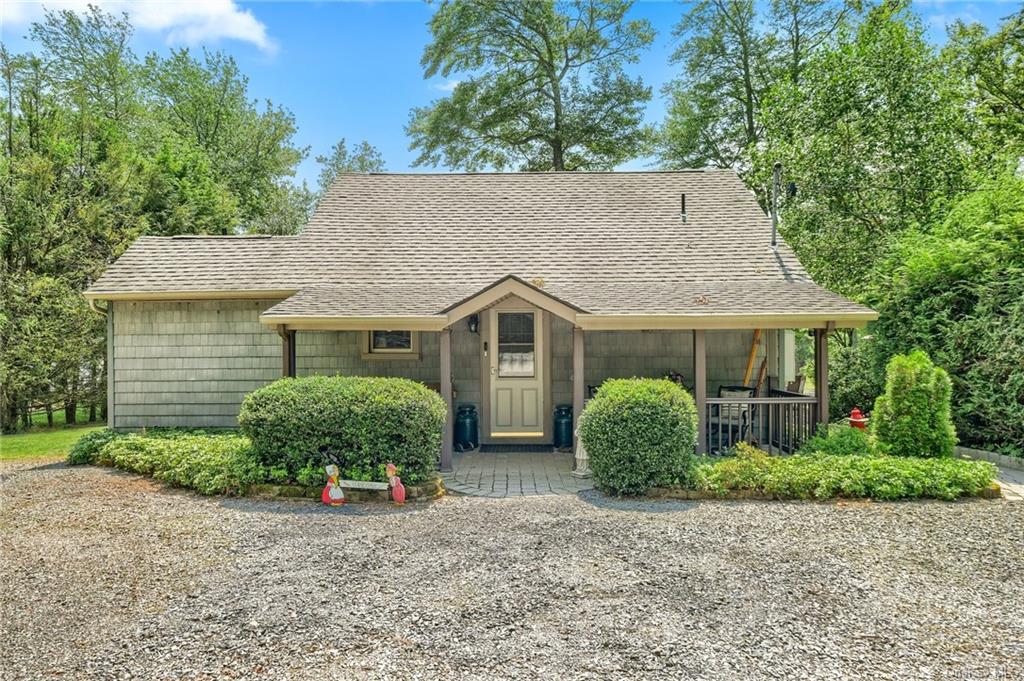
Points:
[[728, 418]]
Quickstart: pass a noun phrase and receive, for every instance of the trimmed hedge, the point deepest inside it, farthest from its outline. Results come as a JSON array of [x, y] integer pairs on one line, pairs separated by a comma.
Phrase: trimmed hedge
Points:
[[912, 417], [362, 423], [639, 433], [826, 476], [208, 464]]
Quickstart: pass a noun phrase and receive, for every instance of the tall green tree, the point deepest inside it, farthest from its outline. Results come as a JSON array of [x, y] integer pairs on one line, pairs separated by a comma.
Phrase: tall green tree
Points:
[[872, 139], [541, 86], [249, 147], [99, 148], [362, 158], [993, 65], [731, 53]]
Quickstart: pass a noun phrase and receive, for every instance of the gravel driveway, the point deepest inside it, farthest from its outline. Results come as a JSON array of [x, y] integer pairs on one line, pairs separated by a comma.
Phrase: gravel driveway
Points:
[[106, 574]]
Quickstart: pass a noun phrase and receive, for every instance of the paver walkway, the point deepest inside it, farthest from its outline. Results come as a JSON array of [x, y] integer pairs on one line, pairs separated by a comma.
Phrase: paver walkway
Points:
[[1012, 482], [514, 474]]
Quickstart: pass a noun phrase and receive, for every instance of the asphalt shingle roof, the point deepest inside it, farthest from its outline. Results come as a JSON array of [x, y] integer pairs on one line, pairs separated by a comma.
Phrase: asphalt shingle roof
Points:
[[412, 244]]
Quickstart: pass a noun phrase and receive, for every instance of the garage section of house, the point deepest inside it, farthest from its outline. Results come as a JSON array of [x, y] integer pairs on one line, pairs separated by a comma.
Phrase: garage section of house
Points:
[[513, 293]]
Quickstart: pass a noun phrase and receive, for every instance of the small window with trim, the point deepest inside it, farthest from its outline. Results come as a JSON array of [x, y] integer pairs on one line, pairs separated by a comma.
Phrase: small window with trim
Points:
[[391, 345]]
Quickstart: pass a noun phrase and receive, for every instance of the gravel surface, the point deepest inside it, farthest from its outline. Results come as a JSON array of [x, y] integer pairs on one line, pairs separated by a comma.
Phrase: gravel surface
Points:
[[105, 574]]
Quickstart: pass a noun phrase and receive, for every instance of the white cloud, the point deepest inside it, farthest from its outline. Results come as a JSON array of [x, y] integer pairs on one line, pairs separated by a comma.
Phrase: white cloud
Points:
[[448, 85], [189, 22]]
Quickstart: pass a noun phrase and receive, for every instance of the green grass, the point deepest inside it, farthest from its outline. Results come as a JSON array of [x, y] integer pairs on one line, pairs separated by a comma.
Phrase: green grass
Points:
[[42, 442], [39, 417]]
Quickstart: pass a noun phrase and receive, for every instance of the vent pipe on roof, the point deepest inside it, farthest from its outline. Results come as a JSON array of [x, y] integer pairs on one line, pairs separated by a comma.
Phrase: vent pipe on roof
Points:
[[776, 185], [682, 207]]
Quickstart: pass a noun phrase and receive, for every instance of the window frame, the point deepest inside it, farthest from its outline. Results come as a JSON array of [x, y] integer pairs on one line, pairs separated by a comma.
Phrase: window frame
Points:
[[371, 353]]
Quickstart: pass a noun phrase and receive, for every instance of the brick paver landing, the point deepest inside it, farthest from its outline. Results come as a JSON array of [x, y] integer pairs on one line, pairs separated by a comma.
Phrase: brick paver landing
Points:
[[513, 474]]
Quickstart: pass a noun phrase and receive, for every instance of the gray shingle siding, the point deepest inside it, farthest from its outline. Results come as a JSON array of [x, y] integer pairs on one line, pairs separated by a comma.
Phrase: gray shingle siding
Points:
[[189, 364]]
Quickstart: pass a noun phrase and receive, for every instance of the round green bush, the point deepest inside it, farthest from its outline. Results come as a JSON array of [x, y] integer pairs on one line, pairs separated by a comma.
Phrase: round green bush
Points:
[[639, 433], [362, 423], [912, 417]]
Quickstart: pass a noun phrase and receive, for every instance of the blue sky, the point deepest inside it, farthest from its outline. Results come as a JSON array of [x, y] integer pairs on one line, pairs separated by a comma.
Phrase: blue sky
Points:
[[351, 69]]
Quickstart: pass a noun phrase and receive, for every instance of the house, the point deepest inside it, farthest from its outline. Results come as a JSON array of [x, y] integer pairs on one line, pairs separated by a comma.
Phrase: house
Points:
[[514, 292]]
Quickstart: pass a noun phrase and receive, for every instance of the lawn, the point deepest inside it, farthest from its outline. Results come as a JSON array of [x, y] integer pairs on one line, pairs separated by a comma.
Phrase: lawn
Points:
[[43, 442]]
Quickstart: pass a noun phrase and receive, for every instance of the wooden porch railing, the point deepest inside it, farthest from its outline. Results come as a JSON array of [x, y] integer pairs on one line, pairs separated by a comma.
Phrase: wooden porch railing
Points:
[[778, 424]]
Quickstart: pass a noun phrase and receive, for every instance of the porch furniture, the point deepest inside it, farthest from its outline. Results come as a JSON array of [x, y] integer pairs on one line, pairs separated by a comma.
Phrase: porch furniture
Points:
[[726, 419]]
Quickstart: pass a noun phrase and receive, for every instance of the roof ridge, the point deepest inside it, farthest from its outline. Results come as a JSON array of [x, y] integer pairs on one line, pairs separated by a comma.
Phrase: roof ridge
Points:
[[536, 173]]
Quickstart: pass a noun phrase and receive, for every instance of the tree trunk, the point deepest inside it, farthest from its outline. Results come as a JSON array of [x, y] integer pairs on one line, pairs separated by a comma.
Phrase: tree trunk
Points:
[[49, 415], [92, 412], [26, 416], [557, 156], [70, 411]]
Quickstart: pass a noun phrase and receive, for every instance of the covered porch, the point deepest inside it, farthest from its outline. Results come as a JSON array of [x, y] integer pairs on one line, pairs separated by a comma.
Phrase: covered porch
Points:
[[738, 367]]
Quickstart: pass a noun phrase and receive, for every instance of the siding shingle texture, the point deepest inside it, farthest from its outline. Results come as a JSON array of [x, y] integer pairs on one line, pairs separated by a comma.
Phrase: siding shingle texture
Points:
[[413, 244]]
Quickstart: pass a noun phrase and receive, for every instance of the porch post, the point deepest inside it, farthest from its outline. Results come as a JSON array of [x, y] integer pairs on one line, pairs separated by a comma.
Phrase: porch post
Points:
[[287, 351], [579, 385], [446, 394], [821, 371], [700, 388]]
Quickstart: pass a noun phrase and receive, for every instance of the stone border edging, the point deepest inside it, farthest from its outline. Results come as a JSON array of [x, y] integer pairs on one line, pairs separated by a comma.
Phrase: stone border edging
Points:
[[993, 491], [1003, 460], [433, 489]]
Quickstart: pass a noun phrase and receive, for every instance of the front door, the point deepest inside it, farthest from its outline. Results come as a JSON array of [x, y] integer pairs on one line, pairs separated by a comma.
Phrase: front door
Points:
[[517, 372]]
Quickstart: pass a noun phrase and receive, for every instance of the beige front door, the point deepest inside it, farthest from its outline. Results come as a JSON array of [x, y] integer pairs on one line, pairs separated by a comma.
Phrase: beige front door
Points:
[[517, 371]]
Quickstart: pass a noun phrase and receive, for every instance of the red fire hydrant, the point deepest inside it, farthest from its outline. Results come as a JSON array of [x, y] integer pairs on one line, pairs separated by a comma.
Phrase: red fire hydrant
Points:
[[857, 419]]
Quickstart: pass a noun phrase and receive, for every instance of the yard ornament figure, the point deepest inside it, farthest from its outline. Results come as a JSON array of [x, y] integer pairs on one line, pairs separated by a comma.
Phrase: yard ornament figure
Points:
[[332, 494], [395, 482]]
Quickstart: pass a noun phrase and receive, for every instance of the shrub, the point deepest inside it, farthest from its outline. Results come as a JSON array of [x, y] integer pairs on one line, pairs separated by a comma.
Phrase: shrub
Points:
[[639, 433], [826, 476], [363, 423], [209, 464], [839, 440], [88, 447], [855, 377], [912, 417]]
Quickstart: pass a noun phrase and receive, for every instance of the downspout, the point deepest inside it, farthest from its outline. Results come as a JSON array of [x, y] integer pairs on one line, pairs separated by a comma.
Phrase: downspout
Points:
[[97, 309]]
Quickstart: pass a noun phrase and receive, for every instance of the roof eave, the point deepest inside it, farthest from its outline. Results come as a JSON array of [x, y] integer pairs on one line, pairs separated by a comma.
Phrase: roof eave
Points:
[[212, 294], [651, 322]]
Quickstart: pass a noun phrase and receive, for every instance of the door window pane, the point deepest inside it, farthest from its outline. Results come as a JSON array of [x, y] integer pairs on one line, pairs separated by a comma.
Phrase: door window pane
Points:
[[516, 350], [390, 341]]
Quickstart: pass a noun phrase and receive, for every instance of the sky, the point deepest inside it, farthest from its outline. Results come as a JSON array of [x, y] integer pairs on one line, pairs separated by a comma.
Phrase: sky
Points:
[[352, 69]]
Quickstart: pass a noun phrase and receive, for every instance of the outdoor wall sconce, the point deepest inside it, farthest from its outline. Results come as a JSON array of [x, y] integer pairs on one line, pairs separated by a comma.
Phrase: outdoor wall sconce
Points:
[[474, 323]]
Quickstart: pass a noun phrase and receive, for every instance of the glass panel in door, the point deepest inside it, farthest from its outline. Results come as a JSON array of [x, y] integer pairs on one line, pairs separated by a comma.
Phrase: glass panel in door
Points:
[[516, 345]]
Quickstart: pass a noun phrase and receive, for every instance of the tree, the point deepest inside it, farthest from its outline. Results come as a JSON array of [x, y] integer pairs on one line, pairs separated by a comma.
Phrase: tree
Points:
[[250, 149], [993, 65], [731, 56], [94, 155], [541, 86], [364, 158], [872, 138]]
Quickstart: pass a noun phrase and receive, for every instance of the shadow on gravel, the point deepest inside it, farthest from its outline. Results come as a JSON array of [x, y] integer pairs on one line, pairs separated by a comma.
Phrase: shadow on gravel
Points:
[[311, 507], [50, 466], [633, 504]]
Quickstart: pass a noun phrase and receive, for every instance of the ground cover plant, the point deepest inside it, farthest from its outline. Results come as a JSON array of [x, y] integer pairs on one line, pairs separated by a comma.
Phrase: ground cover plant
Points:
[[828, 476], [207, 463], [638, 433], [360, 423]]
